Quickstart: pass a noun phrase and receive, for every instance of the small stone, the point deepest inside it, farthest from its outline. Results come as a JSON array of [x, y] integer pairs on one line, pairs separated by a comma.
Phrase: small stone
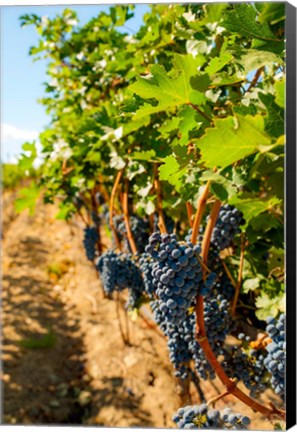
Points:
[[6, 378], [86, 378], [84, 398], [53, 378], [54, 403]]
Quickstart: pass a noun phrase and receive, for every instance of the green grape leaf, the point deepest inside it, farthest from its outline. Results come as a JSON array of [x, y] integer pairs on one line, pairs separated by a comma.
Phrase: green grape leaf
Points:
[[171, 171], [280, 87], [272, 12], [169, 126], [251, 284], [146, 155], [217, 63], [187, 123], [169, 90], [251, 207], [255, 59], [220, 186], [269, 306], [274, 121], [243, 20], [214, 11], [233, 139], [276, 258], [264, 222]]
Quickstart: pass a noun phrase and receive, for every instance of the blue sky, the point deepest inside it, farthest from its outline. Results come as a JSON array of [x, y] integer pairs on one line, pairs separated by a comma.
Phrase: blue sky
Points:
[[22, 118]]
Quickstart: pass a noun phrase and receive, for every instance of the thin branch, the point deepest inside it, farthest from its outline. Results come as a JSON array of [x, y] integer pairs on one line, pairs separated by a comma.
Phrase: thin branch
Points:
[[230, 277], [157, 186], [256, 77], [239, 279], [199, 308], [81, 215], [209, 228], [202, 113], [111, 207], [103, 189], [199, 213], [213, 400], [190, 213], [130, 236]]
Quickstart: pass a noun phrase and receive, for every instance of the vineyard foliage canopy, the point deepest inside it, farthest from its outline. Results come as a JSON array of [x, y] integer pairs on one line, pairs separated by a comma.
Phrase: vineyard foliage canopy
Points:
[[198, 92]]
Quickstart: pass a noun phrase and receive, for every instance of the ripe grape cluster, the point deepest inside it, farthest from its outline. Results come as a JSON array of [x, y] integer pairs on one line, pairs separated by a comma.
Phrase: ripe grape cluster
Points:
[[202, 417], [227, 226], [247, 366], [90, 241], [276, 358], [176, 274], [119, 271]]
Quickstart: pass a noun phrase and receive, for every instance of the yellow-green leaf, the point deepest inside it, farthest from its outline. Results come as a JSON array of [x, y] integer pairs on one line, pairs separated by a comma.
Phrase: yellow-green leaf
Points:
[[232, 139]]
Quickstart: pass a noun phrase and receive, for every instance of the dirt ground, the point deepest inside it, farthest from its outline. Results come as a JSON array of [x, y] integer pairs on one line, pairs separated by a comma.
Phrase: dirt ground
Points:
[[64, 360]]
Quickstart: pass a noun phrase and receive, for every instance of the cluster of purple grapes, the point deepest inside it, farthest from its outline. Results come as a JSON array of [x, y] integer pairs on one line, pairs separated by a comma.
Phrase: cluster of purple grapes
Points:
[[202, 417], [176, 275], [227, 226], [276, 357], [247, 365], [119, 271], [90, 242]]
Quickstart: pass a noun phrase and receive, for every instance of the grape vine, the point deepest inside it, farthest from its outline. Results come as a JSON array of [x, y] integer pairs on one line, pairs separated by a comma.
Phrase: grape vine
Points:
[[169, 144]]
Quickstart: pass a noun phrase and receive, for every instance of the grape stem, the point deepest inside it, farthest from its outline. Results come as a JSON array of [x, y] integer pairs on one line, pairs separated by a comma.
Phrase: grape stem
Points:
[[81, 215], [202, 113], [213, 400], [158, 190], [256, 77], [190, 213], [239, 279], [127, 219], [199, 213], [202, 339], [102, 188], [228, 273], [111, 207]]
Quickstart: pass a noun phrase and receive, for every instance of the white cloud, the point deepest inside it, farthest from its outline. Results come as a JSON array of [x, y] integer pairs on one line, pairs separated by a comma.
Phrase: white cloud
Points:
[[9, 133]]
